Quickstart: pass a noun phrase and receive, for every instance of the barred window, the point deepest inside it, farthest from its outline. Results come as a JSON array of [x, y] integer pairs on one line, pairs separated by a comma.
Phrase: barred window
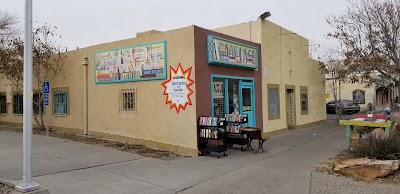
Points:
[[3, 103], [128, 101], [304, 100], [37, 101], [18, 104], [60, 105]]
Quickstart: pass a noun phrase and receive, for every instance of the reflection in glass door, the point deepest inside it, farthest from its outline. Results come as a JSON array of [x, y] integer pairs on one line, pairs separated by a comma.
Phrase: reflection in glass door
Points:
[[247, 104]]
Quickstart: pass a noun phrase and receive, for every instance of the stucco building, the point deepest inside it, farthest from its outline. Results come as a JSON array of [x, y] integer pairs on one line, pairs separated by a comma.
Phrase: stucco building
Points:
[[151, 89]]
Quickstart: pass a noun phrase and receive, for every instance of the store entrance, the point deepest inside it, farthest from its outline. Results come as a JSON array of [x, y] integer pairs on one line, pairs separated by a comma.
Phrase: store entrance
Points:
[[233, 95]]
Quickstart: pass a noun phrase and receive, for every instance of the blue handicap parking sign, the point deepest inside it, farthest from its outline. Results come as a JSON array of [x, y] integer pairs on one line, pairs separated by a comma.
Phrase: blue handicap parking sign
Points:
[[46, 99], [46, 87]]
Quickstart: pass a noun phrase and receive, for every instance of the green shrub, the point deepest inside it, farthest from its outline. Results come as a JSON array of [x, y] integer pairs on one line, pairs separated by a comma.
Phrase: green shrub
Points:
[[385, 148]]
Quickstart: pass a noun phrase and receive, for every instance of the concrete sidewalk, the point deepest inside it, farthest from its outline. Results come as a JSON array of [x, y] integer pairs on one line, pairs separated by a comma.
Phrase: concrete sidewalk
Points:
[[287, 167]]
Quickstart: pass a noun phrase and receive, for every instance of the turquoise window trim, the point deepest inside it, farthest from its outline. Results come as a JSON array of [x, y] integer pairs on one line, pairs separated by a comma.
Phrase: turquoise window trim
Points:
[[226, 85], [133, 80], [211, 53], [240, 97], [226, 78]]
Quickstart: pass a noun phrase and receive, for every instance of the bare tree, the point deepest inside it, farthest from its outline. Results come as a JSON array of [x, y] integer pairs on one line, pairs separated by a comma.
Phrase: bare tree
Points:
[[369, 34], [336, 74], [48, 61], [8, 25]]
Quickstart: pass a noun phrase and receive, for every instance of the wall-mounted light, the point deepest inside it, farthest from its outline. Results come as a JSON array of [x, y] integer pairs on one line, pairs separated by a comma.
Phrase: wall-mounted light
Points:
[[85, 61], [265, 15]]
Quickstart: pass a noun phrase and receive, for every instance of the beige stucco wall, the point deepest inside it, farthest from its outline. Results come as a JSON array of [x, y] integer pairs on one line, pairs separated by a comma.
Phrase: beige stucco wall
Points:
[[347, 92], [70, 77], [154, 120], [285, 58], [154, 123]]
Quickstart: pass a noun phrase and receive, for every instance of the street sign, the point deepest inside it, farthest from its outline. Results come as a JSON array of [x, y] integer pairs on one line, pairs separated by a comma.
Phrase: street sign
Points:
[[46, 87], [46, 99]]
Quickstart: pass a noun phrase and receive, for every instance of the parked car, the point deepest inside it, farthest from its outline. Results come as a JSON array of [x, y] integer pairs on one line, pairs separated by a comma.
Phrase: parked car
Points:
[[346, 106]]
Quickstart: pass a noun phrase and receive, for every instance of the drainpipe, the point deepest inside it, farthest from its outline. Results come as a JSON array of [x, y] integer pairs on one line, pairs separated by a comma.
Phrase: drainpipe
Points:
[[85, 63]]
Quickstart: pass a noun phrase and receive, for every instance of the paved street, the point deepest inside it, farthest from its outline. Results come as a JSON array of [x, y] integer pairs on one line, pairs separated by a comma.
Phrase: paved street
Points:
[[64, 166]]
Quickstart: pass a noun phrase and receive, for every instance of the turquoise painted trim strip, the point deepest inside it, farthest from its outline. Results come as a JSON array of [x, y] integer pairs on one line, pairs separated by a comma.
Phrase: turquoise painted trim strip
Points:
[[211, 53], [212, 95], [227, 64], [240, 97], [232, 41], [348, 130], [253, 104], [231, 77], [226, 93], [133, 80]]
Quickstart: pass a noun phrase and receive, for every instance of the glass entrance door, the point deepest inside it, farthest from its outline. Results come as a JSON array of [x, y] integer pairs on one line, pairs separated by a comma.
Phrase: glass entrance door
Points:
[[247, 103]]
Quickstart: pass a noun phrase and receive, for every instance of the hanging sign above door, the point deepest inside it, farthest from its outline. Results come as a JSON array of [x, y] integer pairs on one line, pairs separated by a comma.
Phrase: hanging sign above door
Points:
[[230, 53]]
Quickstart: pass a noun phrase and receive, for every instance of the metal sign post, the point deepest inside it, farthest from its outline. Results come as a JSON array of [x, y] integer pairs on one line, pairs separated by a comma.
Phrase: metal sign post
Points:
[[46, 91], [28, 184]]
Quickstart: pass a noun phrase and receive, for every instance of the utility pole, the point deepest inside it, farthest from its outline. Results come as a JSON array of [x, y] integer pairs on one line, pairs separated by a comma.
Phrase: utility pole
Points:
[[27, 185]]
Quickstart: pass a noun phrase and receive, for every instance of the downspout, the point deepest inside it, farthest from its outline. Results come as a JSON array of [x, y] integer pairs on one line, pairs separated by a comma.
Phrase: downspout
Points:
[[85, 63]]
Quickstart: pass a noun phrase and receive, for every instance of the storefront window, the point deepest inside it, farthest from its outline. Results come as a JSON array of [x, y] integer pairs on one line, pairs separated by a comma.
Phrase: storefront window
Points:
[[219, 98]]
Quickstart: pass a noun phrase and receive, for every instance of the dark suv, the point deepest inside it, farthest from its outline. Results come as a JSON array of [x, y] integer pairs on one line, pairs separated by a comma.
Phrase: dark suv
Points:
[[346, 106]]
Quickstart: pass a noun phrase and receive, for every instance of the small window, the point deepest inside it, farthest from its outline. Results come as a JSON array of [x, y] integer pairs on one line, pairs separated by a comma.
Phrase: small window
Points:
[[3, 103], [273, 102], [128, 101], [359, 96], [60, 103], [18, 104], [37, 102], [304, 100]]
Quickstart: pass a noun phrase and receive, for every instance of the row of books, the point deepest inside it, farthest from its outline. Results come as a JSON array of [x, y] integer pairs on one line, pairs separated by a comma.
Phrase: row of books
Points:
[[209, 133], [235, 118], [233, 128], [210, 121]]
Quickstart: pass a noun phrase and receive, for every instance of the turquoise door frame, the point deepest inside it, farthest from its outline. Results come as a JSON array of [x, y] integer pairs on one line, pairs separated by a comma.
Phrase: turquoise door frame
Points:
[[243, 82], [251, 113]]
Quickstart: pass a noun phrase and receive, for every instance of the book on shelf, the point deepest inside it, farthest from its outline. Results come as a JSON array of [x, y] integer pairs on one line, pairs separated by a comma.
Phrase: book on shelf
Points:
[[235, 118], [209, 133], [210, 121]]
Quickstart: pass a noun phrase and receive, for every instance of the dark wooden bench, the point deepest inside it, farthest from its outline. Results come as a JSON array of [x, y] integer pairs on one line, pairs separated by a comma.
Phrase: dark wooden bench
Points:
[[255, 133]]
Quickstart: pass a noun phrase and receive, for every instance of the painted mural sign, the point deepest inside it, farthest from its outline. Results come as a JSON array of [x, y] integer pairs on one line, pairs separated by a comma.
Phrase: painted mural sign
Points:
[[227, 52], [136, 63], [177, 88]]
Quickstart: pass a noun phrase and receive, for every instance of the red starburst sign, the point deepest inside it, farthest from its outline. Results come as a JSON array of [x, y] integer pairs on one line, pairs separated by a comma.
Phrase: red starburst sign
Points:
[[177, 88]]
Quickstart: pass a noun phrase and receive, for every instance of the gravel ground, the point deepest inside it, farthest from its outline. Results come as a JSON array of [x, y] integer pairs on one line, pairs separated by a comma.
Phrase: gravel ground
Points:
[[5, 189], [330, 184], [131, 148]]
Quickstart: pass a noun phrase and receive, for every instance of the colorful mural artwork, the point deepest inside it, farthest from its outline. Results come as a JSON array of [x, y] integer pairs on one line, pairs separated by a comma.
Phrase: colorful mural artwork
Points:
[[177, 88], [226, 52], [136, 63]]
